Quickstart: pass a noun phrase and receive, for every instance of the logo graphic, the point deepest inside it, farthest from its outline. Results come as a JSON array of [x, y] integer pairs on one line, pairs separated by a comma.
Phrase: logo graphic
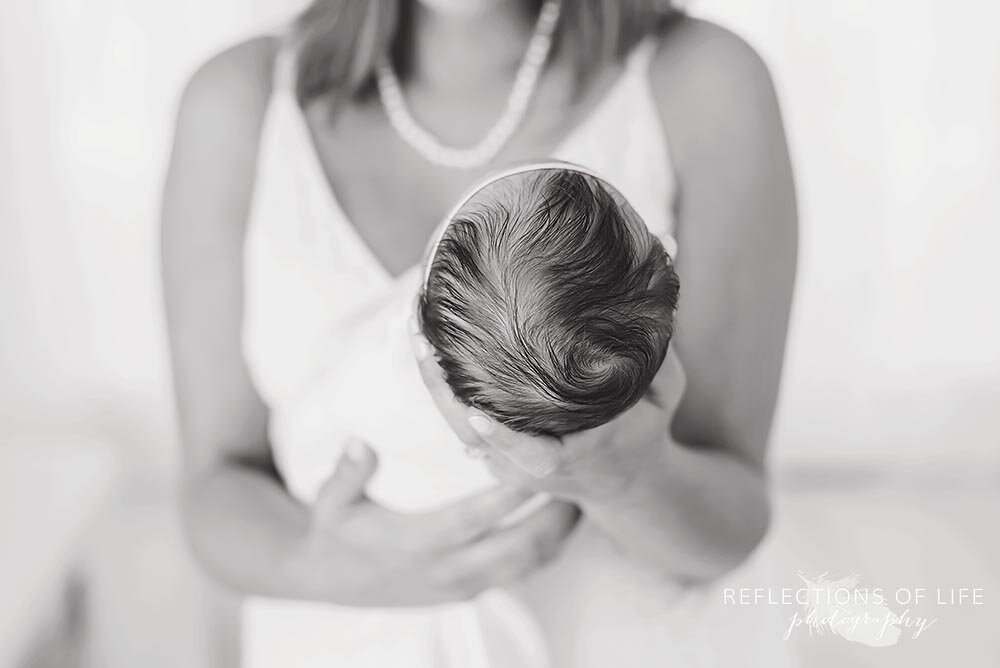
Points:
[[855, 613]]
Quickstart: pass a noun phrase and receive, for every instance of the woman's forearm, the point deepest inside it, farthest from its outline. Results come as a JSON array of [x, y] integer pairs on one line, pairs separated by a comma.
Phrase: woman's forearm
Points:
[[246, 531], [695, 514]]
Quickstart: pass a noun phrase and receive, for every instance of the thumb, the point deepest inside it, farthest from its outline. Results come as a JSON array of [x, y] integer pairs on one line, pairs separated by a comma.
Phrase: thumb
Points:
[[346, 484]]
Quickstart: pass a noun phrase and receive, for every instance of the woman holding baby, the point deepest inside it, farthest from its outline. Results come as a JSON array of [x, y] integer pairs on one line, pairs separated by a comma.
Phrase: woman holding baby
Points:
[[325, 475]]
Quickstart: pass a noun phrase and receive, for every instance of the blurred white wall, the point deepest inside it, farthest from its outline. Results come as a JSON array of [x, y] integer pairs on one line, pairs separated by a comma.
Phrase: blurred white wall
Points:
[[87, 96], [892, 112]]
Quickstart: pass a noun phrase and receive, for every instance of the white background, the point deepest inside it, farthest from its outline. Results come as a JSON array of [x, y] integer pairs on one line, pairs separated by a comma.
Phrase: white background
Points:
[[893, 114]]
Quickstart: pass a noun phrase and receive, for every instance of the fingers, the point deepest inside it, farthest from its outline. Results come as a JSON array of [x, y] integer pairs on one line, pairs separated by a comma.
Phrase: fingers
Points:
[[467, 519], [539, 456], [347, 483], [510, 553]]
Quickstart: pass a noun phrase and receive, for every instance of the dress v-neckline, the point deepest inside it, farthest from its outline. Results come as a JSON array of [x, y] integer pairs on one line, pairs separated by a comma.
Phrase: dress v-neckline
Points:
[[322, 180]]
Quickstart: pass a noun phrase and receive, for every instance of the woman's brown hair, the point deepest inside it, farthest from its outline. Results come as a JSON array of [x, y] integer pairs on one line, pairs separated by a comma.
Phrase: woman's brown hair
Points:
[[340, 41]]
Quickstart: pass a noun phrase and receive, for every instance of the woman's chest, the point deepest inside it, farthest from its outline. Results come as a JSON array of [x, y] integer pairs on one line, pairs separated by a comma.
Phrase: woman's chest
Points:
[[392, 195], [389, 196]]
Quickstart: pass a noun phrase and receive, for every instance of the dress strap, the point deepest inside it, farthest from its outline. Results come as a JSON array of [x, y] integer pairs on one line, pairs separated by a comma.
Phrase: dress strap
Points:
[[285, 60], [641, 57]]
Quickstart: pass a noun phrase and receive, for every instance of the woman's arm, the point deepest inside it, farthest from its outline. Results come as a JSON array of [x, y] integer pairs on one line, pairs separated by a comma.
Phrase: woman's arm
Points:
[[241, 523], [706, 507], [737, 231]]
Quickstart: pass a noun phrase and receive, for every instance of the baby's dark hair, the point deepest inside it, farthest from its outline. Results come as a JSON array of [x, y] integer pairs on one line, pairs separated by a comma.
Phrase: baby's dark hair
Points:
[[548, 302]]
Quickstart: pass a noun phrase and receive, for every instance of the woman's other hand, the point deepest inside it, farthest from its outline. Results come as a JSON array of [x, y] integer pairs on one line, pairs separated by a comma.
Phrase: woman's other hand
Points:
[[363, 554]]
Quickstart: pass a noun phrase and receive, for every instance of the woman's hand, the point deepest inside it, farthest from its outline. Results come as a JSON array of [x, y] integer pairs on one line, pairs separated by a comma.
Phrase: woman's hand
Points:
[[686, 512], [592, 464], [367, 555]]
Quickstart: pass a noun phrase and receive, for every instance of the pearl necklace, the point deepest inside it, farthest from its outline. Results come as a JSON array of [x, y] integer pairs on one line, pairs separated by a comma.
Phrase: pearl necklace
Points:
[[525, 83]]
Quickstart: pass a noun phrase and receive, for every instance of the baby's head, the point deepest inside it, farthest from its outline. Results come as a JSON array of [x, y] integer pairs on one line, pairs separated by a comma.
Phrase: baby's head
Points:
[[548, 302]]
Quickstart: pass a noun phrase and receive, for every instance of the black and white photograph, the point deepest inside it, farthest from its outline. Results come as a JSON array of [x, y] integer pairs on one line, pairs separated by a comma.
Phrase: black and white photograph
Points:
[[499, 334]]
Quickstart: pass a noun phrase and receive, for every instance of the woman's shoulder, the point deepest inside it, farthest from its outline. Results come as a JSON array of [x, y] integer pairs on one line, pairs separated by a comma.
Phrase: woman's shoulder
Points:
[[231, 89], [219, 121], [217, 133], [694, 51], [711, 86]]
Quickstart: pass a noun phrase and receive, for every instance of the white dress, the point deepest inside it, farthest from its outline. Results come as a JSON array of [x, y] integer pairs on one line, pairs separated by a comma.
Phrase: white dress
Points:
[[326, 340]]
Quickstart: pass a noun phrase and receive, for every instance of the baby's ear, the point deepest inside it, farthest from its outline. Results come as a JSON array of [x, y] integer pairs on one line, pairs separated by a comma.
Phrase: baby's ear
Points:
[[669, 383], [413, 322], [652, 396], [670, 245], [657, 392]]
